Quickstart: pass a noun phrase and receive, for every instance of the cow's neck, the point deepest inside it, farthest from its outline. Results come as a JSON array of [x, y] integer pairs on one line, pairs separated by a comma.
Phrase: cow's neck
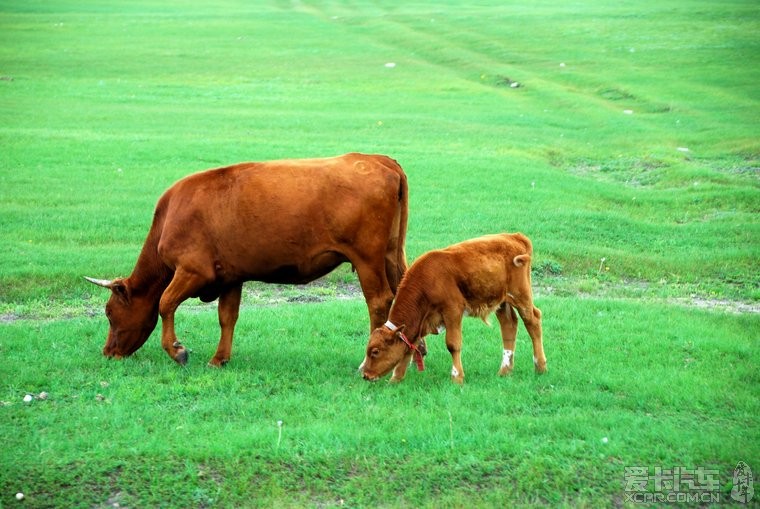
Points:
[[151, 276]]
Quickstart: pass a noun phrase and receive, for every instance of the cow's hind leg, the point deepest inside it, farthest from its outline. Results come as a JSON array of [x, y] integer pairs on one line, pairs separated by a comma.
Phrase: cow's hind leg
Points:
[[377, 291], [229, 309], [184, 284], [508, 325]]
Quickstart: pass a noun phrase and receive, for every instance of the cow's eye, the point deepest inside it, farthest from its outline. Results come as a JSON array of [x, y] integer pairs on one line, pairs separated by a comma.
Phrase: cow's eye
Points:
[[374, 353]]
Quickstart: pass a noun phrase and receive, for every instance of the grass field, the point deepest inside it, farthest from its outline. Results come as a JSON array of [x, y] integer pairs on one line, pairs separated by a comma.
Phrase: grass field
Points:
[[622, 137]]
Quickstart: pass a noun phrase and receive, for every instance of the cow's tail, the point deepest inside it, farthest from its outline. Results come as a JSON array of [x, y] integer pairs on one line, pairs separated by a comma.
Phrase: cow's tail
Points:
[[395, 260]]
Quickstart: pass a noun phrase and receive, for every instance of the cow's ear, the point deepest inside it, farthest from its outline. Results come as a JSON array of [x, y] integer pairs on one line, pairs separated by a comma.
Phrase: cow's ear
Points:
[[120, 289], [521, 260], [118, 286]]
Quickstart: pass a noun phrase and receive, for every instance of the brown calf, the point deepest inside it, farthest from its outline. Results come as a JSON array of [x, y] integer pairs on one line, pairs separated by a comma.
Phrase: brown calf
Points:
[[475, 277]]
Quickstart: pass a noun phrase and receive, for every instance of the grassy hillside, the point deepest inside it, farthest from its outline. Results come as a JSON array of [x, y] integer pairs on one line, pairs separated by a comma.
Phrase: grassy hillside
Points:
[[632, 135], [621, 137]]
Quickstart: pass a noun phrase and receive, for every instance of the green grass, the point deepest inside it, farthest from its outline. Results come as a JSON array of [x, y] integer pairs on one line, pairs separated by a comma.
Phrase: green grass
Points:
[[149, 433], [642, 150]]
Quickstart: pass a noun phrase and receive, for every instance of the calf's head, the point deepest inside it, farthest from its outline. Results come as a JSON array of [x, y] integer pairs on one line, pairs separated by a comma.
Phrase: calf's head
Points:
[[131, 317], [384, 351]]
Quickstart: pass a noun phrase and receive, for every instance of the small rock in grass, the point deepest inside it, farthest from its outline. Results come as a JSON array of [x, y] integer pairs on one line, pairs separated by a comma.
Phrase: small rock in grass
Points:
[[28, 398]]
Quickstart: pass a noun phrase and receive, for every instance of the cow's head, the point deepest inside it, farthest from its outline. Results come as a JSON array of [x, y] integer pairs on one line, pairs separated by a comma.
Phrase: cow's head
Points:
[[132, 317], [385, 350]]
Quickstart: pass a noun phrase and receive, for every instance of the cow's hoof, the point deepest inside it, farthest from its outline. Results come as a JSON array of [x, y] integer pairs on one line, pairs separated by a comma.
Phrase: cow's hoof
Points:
[[181, 356], [540, 370], [217, 363], [395, 380], [505, 371], [459, 380]]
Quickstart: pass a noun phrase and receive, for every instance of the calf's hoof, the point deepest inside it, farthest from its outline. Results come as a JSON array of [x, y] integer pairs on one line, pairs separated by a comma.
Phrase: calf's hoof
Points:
[[505, 371], [540, 369]]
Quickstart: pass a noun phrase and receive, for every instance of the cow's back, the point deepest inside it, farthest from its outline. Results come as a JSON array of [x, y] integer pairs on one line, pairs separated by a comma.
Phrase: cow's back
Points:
[[255, 217]]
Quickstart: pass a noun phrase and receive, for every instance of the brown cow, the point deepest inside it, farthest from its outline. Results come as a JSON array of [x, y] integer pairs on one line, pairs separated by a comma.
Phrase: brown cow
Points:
[[289, 221], [475, 277]]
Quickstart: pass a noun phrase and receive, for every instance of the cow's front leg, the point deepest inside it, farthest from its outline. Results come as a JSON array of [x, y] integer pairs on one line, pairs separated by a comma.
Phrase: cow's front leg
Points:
[[531, 317], [229, 309], [400, 370], [453, 325], [183, 285], [508, 325]]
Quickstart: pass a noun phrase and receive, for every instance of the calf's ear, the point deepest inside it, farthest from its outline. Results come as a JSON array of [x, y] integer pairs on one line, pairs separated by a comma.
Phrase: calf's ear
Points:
[[521, 260], [391, 339]]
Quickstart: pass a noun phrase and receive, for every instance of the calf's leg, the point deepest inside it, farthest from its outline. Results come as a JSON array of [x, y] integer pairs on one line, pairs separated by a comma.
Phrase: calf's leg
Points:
[[229, 309], [508, 325], [531, 317], [453, 323], [400, 370]]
